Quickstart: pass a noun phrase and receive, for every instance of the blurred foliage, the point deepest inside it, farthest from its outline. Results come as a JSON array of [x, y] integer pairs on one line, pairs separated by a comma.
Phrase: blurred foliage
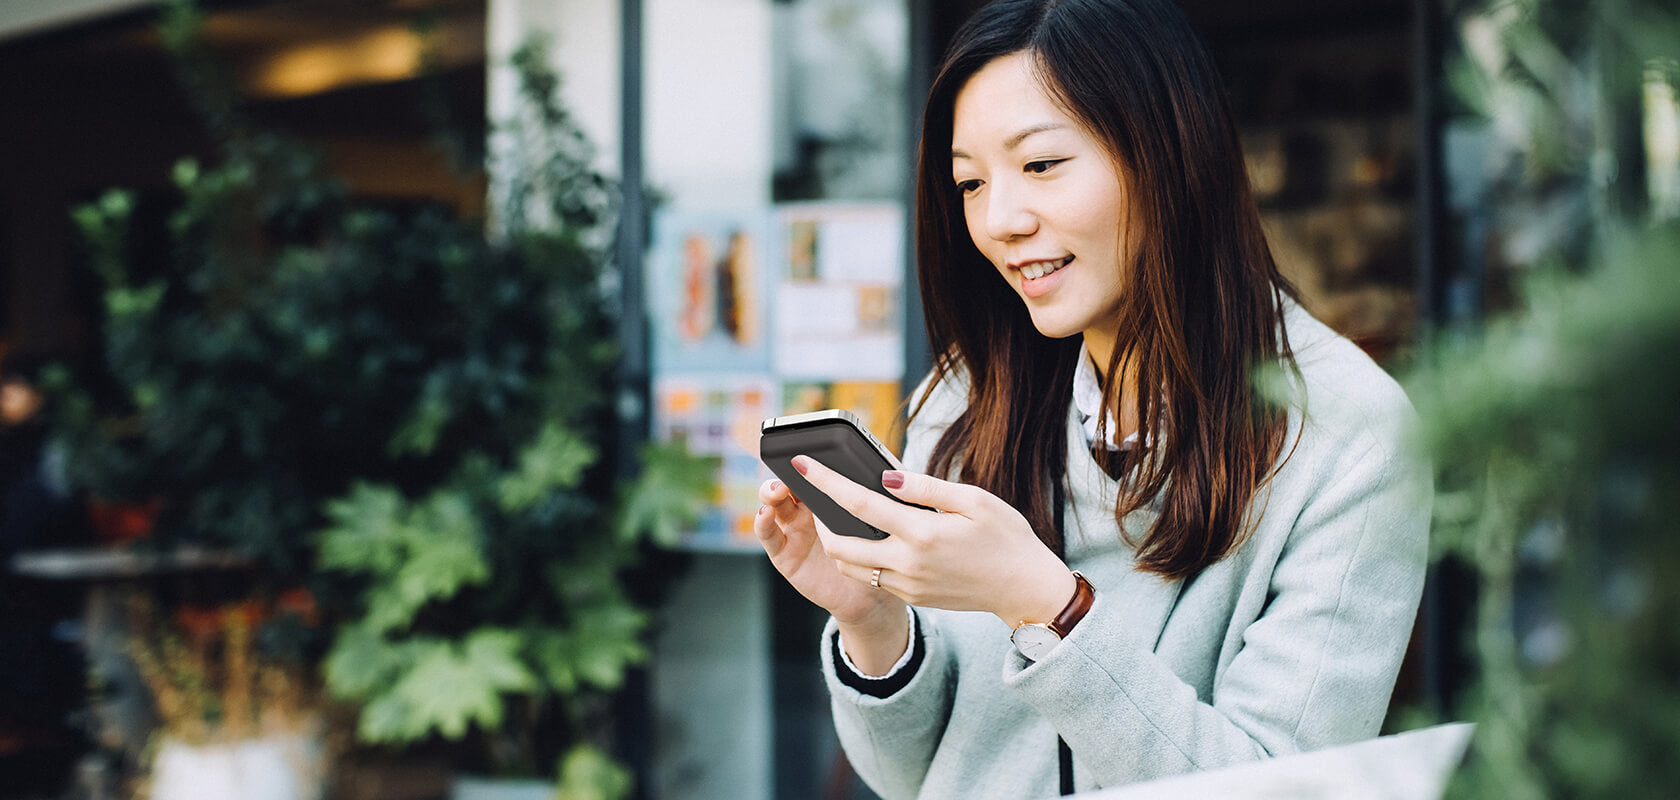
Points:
[[1555, 436], [588, 775], [416, 409], [1554, 428]]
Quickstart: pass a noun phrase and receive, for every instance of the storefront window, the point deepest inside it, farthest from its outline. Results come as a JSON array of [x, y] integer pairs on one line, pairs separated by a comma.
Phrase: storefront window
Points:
[[776, 267], [840, 125]]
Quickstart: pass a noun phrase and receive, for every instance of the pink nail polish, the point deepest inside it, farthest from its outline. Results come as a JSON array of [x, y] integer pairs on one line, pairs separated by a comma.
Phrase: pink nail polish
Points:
[[892, 479], [775, 484], [799, 464]]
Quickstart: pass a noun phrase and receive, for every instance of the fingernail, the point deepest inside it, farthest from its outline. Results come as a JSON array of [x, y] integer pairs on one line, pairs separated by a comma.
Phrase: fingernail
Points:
[[775, 485], [799, 464], [761, 510], [892, 479]]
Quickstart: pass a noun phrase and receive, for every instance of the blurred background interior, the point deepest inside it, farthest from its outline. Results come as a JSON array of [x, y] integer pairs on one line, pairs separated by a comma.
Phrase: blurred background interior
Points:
[[759, 265]]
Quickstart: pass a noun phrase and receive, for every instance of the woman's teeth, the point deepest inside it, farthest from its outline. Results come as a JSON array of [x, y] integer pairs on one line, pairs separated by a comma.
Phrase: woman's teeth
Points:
[[1039, 269]]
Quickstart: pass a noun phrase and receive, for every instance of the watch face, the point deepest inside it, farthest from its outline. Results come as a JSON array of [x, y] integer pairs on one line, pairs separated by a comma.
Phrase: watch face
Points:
[[1034, 640]]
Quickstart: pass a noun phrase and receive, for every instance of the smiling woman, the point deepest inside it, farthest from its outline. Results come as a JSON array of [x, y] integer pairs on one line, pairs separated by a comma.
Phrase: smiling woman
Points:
[[1183, 525], [1039, 193]]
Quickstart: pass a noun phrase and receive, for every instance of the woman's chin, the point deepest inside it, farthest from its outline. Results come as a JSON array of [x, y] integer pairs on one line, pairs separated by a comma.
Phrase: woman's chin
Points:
[[1060, 331], [1055, 329]]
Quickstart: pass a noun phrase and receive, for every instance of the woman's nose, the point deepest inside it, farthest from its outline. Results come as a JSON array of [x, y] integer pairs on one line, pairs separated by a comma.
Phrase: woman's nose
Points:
[[1007, 214]]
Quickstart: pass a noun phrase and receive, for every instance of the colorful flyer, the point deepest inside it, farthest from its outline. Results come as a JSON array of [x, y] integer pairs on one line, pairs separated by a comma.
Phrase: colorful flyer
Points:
[[719, 416], [795, 309]]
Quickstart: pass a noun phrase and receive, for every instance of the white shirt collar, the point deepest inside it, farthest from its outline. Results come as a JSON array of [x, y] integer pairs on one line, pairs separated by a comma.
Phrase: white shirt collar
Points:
[[1087, 398]]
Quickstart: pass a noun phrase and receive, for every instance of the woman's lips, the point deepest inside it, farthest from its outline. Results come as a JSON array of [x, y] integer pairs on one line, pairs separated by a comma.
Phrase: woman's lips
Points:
[[1040, 286]]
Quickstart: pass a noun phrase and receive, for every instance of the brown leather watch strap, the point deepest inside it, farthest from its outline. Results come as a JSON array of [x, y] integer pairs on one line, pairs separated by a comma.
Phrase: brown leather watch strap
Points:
[[1083, 596]]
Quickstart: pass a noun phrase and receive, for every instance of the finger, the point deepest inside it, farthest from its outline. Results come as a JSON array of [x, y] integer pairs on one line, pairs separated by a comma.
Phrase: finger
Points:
[[863, 573], [926, 490], [857, 557], [865, 504], [795, 518], [773, 492], [785, 509], [770, 535]]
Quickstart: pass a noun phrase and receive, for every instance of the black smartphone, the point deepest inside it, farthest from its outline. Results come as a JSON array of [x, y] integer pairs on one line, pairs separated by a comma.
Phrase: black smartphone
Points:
[[842, 443]]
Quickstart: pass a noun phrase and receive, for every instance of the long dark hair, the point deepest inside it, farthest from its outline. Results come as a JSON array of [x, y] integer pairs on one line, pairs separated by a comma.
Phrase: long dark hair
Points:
[[1204, 300]]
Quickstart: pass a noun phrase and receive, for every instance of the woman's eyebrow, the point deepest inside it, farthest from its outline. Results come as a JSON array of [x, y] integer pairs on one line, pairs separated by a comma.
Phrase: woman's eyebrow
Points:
[[1015, 141], [1020, 136]]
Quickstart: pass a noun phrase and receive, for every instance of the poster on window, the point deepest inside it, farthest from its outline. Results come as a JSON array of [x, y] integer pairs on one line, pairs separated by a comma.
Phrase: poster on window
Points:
[[755, 315], [839, 300], [710, 280], [719, 415]]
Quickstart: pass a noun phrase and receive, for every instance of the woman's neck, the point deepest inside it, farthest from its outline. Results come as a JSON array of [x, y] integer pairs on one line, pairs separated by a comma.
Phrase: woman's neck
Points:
[[1099, 347]]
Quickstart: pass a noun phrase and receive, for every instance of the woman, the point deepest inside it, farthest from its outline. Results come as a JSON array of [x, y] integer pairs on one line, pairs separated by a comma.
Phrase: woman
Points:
[[1248, 562]]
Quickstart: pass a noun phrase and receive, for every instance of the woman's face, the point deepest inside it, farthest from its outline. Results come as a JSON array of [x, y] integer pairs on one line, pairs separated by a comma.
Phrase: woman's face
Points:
[[1045, 203]]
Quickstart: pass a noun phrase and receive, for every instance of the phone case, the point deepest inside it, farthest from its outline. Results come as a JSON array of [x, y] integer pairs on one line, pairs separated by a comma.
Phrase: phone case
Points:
[[839, 442]]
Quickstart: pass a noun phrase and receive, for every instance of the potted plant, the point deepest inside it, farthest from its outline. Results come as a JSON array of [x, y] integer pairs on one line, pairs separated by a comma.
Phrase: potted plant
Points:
[[407, 412], [239, 714]]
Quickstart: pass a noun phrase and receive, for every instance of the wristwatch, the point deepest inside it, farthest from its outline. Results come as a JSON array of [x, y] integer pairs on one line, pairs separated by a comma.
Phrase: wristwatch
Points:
[[1034, 639]]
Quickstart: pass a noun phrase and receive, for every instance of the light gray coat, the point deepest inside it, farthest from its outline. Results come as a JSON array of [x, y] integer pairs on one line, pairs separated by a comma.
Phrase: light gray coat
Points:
[[1291, 643]]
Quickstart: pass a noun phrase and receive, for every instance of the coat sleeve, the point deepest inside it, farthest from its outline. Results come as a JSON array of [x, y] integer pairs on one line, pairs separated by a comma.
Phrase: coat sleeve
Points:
[[1315, 668], [891, 741]]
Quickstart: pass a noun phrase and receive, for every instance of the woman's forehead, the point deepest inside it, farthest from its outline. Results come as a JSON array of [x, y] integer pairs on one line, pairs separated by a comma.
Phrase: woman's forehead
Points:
[[1005, 103]]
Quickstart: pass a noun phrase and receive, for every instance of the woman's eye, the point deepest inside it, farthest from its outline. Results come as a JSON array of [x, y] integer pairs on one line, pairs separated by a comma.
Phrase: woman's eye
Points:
[[968, 186], [1040, 167]]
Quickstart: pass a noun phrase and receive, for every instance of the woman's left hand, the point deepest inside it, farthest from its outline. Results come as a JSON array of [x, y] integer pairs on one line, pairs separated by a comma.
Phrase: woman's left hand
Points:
[[980, 555]]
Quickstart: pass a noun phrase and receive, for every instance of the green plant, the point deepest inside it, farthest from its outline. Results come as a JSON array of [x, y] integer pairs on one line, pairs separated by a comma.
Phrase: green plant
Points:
[[211, 403], [1554, 436], [1553, 426], [417, 409]]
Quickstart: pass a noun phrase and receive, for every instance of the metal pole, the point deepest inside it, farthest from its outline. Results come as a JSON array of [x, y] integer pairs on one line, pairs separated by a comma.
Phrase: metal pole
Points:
[[636, 727], [634, 369], [924, 52], [1429, 209]]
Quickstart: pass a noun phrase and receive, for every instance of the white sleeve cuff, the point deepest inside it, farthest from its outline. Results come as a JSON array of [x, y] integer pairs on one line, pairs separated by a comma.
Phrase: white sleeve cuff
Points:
[[846, 658]]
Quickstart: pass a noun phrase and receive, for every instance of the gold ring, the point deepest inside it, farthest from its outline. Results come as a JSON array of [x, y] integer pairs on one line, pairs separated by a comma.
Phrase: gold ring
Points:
[[875, 578]]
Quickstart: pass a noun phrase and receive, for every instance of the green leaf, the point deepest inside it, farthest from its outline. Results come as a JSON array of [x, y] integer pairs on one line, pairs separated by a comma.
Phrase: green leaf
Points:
[[361, 663], [122, 302], [367, 534], [443, 554], [494, 653], [415, 554], [607, 642], [419, 432], [388, 719], [147, 395], [556, 460], [669, 495], [186, 173], [552, 652], [586, 773], [450, 688]]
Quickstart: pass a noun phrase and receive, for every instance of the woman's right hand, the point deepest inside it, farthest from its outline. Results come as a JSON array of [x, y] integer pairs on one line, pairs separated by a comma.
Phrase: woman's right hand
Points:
[[872, 622]]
